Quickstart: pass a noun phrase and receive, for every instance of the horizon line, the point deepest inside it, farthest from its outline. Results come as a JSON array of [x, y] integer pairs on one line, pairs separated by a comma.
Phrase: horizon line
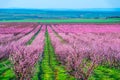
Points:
[[82, 9]]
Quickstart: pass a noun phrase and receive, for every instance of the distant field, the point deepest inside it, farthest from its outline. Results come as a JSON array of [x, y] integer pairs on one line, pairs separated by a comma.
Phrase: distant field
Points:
[[112, 20]]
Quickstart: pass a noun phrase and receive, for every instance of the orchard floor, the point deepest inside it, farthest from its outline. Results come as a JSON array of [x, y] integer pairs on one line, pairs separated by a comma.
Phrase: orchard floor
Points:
[[51, 69]]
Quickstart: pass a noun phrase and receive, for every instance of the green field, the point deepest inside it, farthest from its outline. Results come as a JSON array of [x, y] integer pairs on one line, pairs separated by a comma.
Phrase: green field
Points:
[[112, 20]]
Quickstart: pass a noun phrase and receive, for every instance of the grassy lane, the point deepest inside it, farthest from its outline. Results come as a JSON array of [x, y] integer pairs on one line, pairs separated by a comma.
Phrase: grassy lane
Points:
[[6, 73], [50, 68]]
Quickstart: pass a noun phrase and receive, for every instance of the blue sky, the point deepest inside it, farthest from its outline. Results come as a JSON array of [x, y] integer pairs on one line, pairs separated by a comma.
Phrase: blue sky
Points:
[[60, 4]]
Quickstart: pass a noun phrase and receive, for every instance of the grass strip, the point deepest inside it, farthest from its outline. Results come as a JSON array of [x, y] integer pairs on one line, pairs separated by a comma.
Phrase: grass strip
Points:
[[51, 69], [76, 20]]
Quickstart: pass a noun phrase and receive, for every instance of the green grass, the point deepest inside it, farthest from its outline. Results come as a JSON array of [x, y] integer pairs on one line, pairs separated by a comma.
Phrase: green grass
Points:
[[78, 20], [5, 71], [49, 67], [105, 73]]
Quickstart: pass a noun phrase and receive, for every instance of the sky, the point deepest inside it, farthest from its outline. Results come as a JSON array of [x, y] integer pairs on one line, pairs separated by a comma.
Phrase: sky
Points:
[[59, 4]]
